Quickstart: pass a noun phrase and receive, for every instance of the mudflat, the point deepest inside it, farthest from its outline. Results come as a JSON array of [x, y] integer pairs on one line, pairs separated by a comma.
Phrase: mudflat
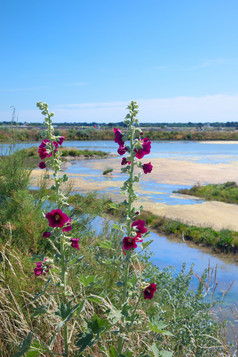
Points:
[[214, 214]]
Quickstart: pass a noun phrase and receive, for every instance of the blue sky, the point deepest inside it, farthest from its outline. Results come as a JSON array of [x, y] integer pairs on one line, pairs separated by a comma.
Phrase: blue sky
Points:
[[89, 59]]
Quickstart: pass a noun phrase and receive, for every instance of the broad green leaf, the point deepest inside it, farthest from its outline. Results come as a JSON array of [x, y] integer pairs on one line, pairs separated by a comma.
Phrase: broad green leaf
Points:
[[115, 315], [87, 280], [158, 329], [84, 340], [65, 311], [40, 310], [24, 345], [97, 325]]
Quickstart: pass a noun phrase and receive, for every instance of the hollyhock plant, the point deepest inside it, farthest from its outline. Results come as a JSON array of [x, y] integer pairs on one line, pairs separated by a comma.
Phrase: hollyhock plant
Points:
[[75, 243], [42, 165], [46, 234], [57, 218], [122, 150], [149, 291], [147, 168], [118, 137], [140, 227], [145, 150]]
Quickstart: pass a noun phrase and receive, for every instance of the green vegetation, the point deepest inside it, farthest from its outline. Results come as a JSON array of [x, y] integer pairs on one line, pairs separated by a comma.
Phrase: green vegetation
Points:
[[107, 171], [105, 133], [224, 241], [71, 152], [226, 192], [180, 319]]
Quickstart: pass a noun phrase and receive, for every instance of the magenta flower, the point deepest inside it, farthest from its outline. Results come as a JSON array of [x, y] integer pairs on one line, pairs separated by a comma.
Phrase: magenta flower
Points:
[[39, 269], [68, 226], [149, 291], [75, 243], [57, 218], [46, 234], [42, 165], [122, 150], [140, 227], [145, 150], [118, 137], [43, 152], [130, 243], [60, 140], [147, 168]]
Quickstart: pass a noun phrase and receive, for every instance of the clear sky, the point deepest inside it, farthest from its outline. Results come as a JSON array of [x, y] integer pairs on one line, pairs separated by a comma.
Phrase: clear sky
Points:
[[89, 58]]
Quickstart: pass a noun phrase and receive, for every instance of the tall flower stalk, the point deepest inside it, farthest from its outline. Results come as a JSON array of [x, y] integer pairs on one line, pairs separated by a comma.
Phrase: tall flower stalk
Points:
[[134, 229], [59, 222]]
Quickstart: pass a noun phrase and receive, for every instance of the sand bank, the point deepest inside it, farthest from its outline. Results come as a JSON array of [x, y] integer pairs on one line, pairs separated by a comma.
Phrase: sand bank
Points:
[[218, 215]]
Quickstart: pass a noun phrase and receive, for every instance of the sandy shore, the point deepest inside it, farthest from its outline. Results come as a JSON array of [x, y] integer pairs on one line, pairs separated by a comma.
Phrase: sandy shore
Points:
[[171, 171]]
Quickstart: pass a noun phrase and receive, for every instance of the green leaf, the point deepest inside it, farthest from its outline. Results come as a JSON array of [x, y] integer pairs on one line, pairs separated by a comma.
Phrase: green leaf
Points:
[[115, 315], [64, 178], [84, 340], [87, 280], [106, 245], [165, 354], [65, 312], [113, 352], [36, 258], [94, 298], [98, 325], [32, 354], [24, 345], [155, 328], [43, 291], [40, 310]]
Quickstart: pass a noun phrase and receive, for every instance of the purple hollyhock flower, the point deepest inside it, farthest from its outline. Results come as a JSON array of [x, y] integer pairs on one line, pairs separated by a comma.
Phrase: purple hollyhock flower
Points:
[[149, 291], [68, 226], [43, 152], [122, 150], [57, 218], [130, 243], [39, 269], [60, 140], [75, 243], [147, 168], [118, 137], [42, 165], [46, 234], [145, 150], [140, 227]]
